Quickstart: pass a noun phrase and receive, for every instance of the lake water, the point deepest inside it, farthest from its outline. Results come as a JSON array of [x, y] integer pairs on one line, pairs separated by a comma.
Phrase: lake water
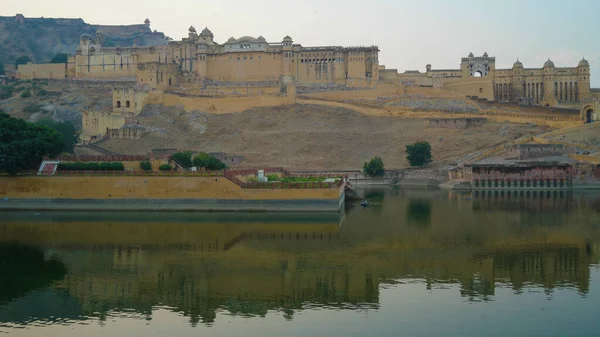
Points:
[[413, 263]]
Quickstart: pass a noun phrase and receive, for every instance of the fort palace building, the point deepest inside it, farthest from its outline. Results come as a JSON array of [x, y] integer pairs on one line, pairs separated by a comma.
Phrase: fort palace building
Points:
[[199, 58], [478, 76]]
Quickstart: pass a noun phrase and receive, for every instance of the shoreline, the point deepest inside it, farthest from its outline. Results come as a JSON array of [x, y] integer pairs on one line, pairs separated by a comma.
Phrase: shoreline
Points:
[[172, 205]]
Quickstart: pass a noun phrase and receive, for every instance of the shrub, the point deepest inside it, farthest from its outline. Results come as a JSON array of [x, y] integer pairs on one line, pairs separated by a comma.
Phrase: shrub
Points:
[[252, 180], [374, 168], [26, 94], [183, 158], [146, 165], [272, 177], [6, 92], [419, 153], [91, 166], [41, 92], [31, 108], [165, 167]]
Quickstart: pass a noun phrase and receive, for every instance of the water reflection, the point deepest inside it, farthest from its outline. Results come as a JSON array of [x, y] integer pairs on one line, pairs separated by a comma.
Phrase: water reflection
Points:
[[95, 264]]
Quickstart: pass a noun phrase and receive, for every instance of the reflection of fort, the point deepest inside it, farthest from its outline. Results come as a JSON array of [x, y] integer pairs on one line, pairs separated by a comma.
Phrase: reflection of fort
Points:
[[256, 265]]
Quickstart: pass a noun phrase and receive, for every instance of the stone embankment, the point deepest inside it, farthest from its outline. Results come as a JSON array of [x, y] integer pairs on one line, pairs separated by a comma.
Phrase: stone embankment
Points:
[[158, 193]]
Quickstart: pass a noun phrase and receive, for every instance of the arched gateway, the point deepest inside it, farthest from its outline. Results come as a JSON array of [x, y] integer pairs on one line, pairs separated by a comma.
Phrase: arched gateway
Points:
[[588, 114]]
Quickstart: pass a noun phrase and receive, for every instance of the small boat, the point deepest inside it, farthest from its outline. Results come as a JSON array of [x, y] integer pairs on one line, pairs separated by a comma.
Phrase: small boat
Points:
[[364, 203]]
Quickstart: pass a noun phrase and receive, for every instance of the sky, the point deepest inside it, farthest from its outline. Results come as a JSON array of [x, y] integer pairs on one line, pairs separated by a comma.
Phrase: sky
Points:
[[409, 33]]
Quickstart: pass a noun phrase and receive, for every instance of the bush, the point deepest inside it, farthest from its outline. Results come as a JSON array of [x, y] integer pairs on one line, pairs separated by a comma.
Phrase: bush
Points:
[[183, 158], [146, 165], [272, 177], [41, 92], [374, 168], [31, 108], [6, 92], [165, 167], [252, 180], [208, 161], [26, 94], [419, 153], [91, 166]]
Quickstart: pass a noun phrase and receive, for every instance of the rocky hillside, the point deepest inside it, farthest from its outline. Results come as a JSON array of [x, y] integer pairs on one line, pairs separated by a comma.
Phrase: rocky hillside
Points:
[[42, 38]]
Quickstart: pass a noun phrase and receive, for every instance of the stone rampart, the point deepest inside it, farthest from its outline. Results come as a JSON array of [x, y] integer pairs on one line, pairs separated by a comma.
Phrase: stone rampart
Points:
[[455, 123], [528, 151]]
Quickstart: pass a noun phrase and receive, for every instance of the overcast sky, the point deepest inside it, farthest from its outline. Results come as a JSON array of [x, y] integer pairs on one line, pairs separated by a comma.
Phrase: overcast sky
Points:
[[409, 33]]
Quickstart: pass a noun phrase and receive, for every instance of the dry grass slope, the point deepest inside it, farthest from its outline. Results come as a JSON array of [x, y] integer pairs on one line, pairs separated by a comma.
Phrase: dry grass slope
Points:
[[311, 136]]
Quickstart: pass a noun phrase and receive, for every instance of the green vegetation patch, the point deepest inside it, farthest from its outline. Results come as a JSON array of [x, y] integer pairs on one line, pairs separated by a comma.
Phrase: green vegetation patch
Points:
[[91, 166]]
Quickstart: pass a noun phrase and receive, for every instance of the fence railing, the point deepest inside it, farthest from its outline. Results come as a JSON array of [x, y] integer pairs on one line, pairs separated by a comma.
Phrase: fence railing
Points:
[[137, 173]]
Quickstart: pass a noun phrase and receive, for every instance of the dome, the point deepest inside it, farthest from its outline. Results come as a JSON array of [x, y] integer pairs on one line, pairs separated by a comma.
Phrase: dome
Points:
[[485, 54], [192, 29], [134, 45], [584, 63], [471, 55], [147, 21], [549, 64], [85, 37], [261, 39], [206, 32], [246, 39], [518, 64], [231, 40], [287, 39]]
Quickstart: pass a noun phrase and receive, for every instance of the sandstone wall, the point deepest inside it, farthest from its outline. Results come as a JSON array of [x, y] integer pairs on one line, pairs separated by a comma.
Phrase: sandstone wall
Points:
[[454, 123], [147, 187], [225, 104], [44, 70], [482, 88]]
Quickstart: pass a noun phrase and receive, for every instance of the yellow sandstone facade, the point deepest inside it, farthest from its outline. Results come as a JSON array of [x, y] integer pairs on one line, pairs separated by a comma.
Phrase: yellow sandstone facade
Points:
[[478, 76], [200, 59]]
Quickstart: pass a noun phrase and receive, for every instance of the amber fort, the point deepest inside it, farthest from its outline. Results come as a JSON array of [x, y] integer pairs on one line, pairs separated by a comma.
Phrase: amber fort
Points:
[[246, 72]]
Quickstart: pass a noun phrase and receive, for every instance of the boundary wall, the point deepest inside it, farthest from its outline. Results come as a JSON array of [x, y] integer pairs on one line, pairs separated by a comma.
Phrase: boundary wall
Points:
[[105, 193]]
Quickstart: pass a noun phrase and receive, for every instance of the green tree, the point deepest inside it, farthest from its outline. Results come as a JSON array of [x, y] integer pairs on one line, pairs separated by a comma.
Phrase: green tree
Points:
[[60, 58], [374, 168], [146, 165], [183, 158], [2, 71], [22, 60], [67, 130], [419, 153], [23, 145], [208, 161]]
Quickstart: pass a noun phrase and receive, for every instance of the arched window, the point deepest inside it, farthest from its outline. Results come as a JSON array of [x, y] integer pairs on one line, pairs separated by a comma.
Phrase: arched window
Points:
[[118, 104], [127, 104]]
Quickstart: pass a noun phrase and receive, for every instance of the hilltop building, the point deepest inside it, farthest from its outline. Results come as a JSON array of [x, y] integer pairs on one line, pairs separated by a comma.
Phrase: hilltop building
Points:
[[478, 76], [200, 59]]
